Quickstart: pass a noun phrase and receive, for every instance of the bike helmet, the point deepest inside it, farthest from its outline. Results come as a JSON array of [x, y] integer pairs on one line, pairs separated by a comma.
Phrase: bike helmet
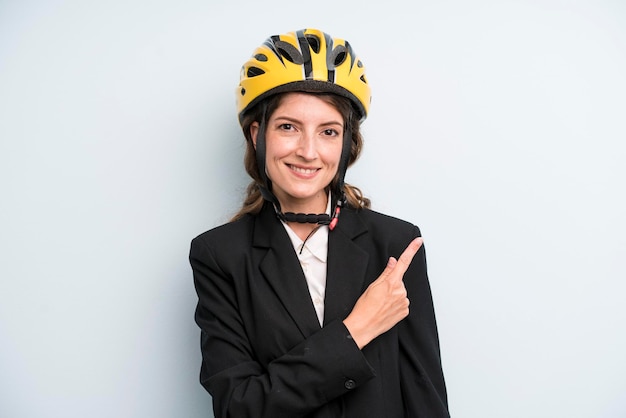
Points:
[[305, 60]]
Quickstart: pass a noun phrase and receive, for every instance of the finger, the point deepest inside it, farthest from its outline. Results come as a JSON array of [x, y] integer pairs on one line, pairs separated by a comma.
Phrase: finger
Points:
[[408, 254], [391, 264]]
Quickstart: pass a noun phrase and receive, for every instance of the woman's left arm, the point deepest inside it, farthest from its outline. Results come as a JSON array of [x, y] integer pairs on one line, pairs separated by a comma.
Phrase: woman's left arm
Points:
[[421, 375]]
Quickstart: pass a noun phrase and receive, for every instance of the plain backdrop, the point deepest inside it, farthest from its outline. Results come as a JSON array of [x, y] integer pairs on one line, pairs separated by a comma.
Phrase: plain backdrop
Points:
[[498, 127]]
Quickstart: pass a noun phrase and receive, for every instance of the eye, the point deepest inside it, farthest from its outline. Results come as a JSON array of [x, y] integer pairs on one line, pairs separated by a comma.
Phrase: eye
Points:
[[330, 132]]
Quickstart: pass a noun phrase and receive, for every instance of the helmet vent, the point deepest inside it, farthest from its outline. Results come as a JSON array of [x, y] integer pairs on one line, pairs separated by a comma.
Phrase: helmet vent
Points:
[[261, 57], [338, 56], [289, 52], [254, 71], [314, 43]]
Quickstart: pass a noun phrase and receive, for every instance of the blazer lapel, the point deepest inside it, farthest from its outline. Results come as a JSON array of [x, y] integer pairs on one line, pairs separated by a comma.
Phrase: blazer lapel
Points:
[[347, 265], [282, 270]]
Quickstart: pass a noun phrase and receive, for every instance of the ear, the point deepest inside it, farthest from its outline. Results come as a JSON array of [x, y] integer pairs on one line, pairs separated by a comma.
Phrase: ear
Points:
[[254, 131]]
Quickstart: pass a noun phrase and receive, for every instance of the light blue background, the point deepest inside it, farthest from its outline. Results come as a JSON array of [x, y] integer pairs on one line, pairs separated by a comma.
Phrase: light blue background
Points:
[[496, 126]]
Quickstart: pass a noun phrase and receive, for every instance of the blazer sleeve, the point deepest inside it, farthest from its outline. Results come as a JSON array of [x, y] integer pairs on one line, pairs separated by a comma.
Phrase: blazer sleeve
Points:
[[321, 368], [421, 375]]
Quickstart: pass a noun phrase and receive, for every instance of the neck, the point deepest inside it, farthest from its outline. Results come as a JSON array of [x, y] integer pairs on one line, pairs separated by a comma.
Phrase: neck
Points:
[[317, 204]]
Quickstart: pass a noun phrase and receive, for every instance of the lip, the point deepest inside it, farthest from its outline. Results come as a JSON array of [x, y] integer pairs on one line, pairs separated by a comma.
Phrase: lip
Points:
[[303, 172]]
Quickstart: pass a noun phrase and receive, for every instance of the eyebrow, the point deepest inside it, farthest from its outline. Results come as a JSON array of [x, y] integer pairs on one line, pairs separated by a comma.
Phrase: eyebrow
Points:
[[298, 121]]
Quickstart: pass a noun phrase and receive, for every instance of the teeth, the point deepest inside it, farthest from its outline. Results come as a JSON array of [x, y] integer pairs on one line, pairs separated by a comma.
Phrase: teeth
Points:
[[303, 170]]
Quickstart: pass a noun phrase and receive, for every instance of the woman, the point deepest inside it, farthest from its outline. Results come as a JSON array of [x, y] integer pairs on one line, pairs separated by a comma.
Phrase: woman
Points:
[[303, 306]]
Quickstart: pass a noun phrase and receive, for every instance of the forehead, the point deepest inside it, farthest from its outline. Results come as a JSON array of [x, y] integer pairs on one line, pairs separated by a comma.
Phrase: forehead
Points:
[[306, 105]]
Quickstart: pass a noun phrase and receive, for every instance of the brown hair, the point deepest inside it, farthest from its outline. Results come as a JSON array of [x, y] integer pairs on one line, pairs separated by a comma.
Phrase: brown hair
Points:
[[253, 202]]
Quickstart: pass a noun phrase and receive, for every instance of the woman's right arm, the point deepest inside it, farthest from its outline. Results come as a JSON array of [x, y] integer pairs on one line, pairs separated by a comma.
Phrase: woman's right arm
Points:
[[322, 367]]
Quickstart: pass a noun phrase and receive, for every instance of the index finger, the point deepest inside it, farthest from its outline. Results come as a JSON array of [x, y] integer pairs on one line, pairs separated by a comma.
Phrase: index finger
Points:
[[407, 256]]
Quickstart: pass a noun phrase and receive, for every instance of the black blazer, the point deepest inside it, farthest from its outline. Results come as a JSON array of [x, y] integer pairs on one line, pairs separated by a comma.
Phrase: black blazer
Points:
[[264, 352]]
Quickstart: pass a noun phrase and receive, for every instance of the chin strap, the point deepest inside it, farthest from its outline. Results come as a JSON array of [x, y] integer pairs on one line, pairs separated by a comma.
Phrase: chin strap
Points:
[[311, 218], [338, 195]]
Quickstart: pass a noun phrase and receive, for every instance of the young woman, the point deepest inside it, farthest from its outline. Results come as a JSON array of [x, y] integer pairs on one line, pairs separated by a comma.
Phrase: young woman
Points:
[[304, 296]]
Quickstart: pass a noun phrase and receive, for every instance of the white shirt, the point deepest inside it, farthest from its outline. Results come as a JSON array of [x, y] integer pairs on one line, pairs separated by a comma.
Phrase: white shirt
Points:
[[313, 262]]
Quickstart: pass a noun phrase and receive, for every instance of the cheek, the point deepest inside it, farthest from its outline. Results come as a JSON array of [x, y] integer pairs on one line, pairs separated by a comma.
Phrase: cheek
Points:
[[275, 149], [333, 155]]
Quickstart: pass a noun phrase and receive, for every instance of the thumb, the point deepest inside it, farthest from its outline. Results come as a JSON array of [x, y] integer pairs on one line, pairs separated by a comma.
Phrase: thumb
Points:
[[391, 264]]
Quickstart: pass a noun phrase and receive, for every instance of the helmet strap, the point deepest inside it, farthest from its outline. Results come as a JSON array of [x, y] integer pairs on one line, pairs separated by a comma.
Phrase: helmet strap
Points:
[[265, 187]]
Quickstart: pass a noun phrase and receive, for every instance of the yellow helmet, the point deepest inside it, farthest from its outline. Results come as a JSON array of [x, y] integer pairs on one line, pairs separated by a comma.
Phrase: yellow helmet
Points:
[[305, 60]]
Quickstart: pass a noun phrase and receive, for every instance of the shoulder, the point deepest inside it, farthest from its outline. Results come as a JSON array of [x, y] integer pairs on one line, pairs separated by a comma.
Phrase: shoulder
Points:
[[381, 236], [380, 224], [377, 233], [227, 237]]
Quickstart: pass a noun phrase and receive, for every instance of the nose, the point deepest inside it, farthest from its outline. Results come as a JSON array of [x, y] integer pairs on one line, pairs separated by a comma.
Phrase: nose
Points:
[[307, 146]]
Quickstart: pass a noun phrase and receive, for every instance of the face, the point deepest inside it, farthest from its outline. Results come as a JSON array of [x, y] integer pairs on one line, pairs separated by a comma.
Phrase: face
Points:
[[303, 147]]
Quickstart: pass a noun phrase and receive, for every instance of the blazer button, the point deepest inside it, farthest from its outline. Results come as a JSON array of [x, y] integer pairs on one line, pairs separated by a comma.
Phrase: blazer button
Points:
[[350, 384]]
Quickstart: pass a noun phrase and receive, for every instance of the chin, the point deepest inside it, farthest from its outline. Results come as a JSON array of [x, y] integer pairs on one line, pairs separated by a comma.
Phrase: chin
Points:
[[303, 194]]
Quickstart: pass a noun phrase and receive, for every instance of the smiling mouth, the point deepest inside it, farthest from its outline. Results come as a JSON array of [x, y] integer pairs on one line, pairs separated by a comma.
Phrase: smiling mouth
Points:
[[305, 171]]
